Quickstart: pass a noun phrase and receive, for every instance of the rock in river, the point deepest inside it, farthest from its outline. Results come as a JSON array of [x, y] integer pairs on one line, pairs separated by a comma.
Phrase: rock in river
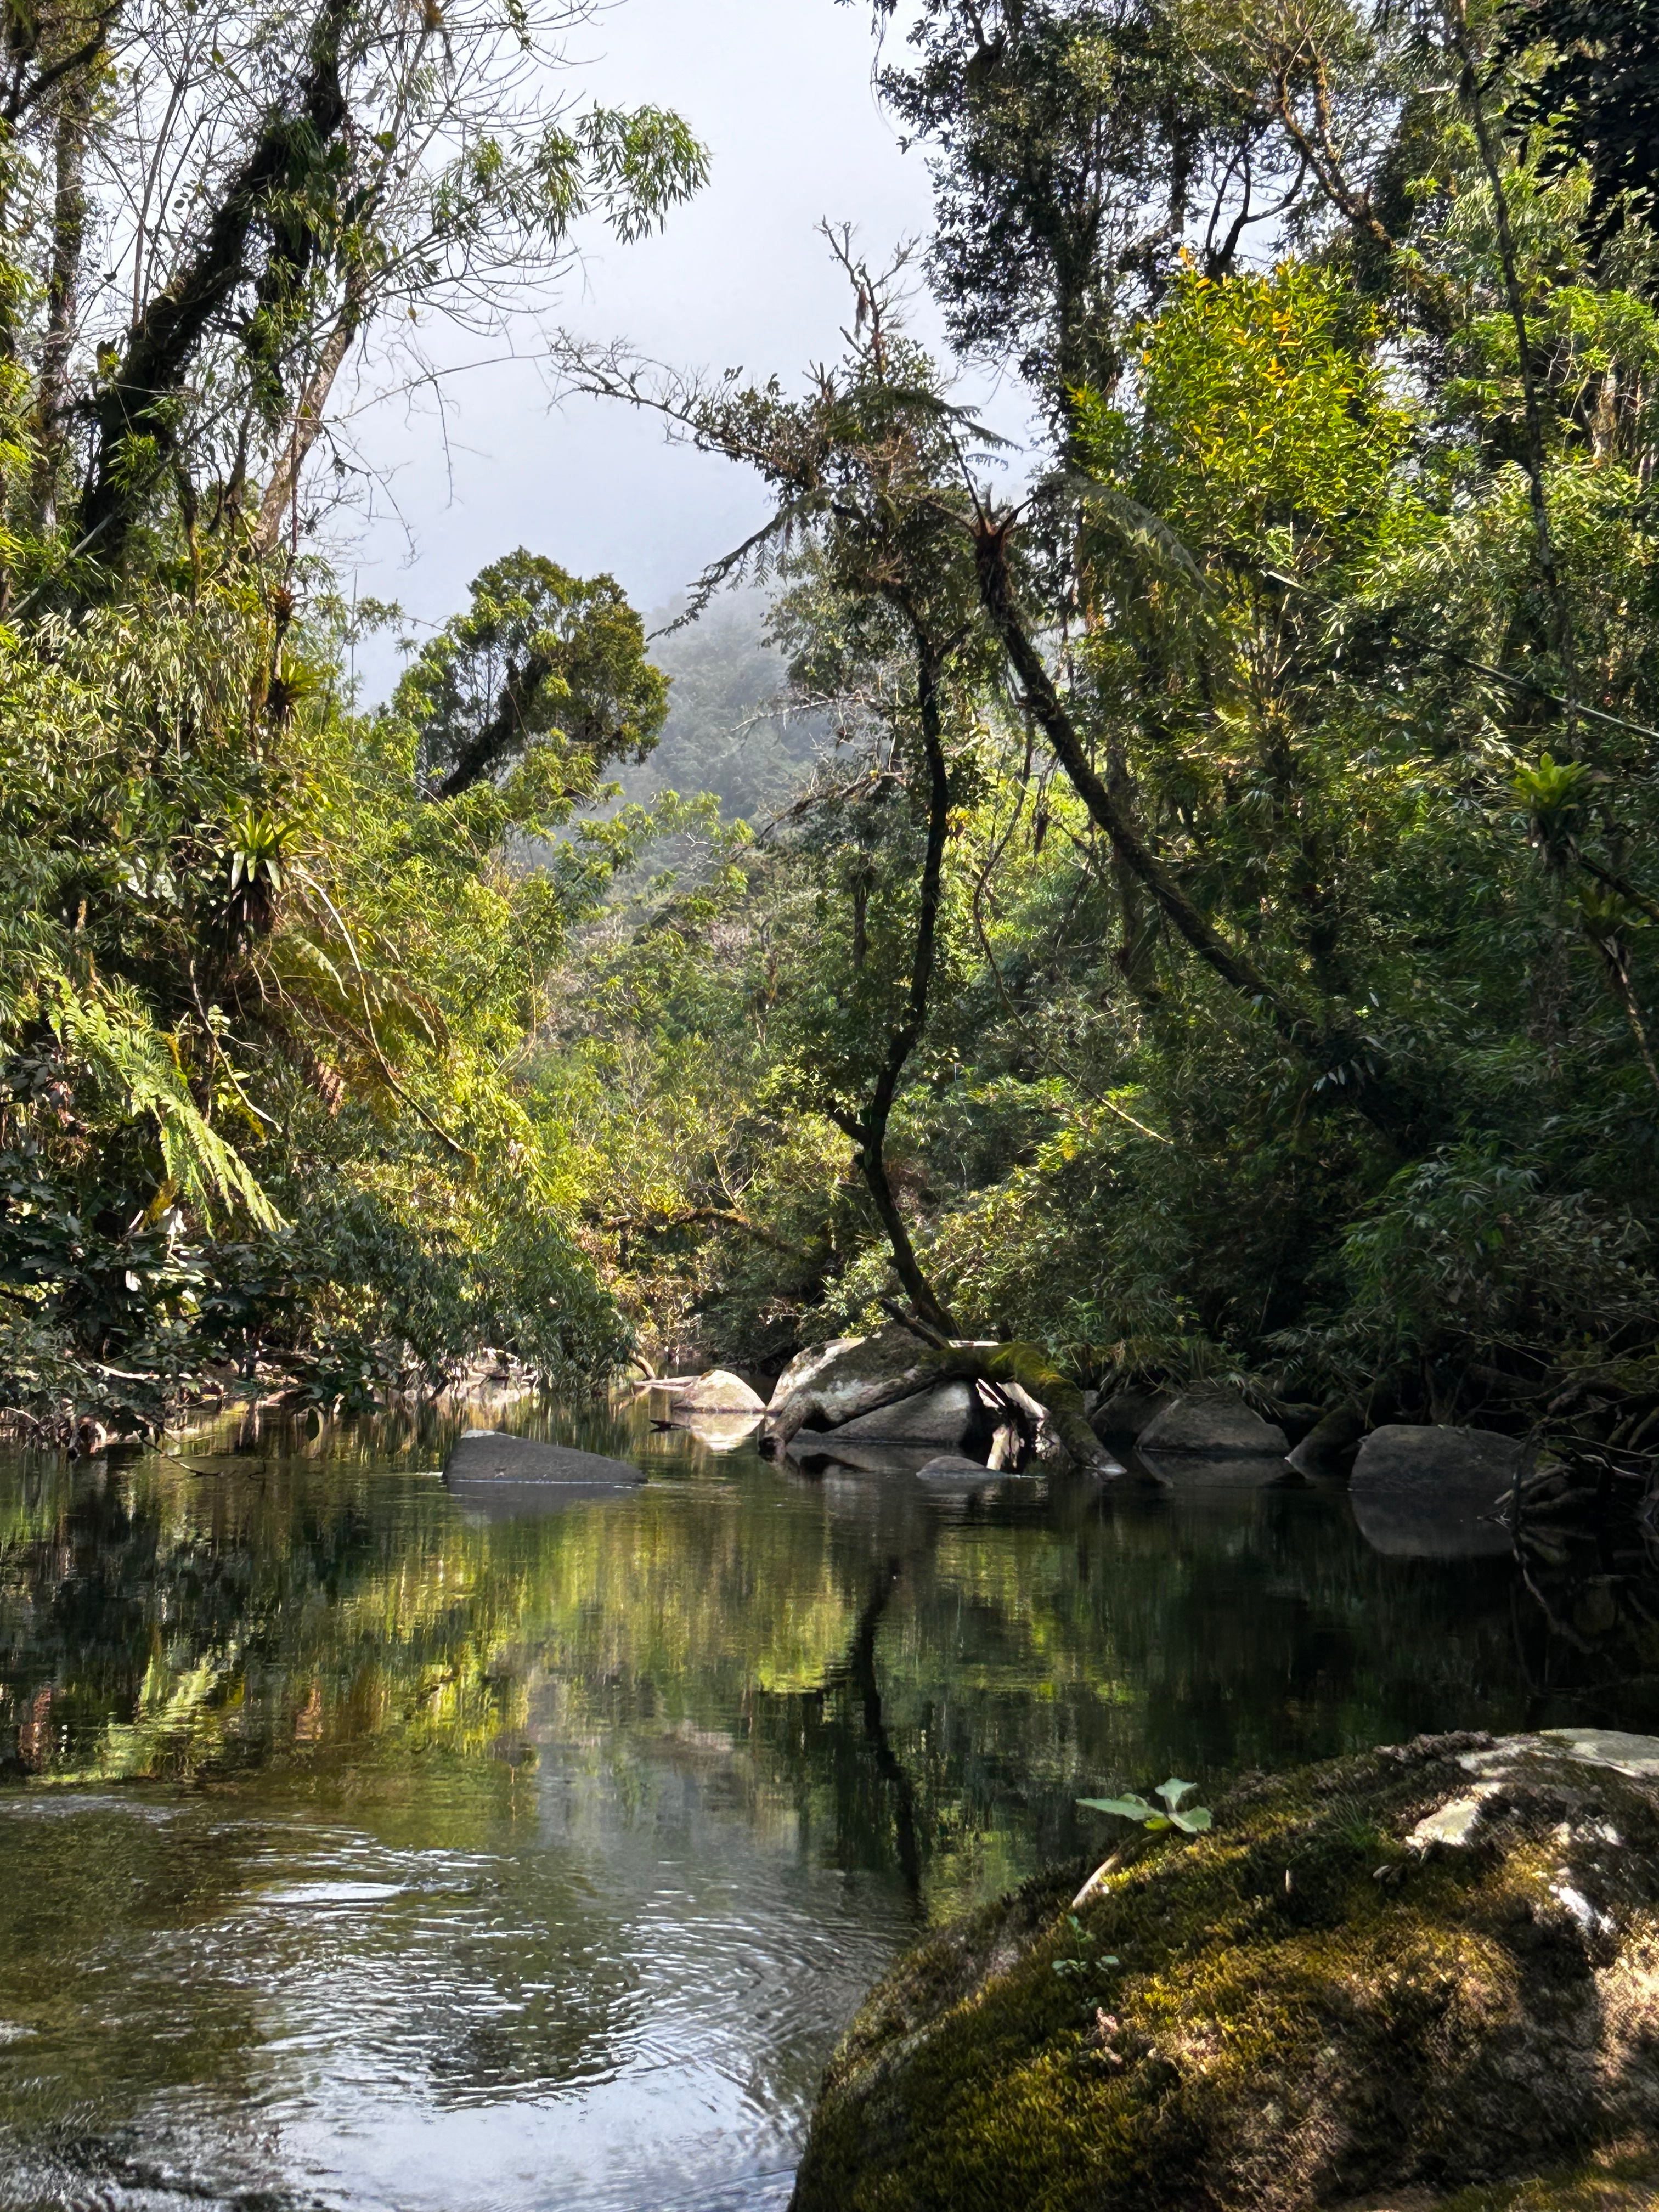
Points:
[[805, 1366], [1231, 1470], [1212, 1422], [1424, 1492], [956, 1466], [849, 1377], [1121, 1418], [1381, 1982], [720, 1391], [943, 1415], [505, 1474], [1329, 1446]]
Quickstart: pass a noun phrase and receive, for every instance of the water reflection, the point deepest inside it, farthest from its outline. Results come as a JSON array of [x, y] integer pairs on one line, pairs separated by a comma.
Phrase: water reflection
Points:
[[362, 1850]]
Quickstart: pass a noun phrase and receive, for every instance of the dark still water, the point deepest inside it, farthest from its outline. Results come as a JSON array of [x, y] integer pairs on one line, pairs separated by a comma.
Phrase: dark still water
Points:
[[360, 1852]]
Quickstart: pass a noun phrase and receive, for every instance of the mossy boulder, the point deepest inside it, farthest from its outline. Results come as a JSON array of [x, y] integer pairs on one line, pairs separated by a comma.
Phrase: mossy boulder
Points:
[[1429, 1975]]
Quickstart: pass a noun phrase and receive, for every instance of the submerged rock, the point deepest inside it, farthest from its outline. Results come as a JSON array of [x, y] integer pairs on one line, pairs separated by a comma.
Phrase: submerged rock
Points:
[[1422, 1492], [1212, 1422], [816, 1449], [1233, 1470], [510, 1475], [956, 1466], [1375, 1983]]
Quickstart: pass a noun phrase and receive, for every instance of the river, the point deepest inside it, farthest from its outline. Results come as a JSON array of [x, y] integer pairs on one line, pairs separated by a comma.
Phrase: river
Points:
[[360, 1852]]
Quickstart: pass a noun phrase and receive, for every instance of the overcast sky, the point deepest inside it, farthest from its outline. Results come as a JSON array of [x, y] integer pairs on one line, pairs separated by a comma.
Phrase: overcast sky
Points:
[[780, 91]]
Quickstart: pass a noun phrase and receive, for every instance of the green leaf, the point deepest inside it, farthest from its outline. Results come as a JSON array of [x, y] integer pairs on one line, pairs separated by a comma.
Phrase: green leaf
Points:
[[1173, 1791], [1126, 1808], [1194, 1823]]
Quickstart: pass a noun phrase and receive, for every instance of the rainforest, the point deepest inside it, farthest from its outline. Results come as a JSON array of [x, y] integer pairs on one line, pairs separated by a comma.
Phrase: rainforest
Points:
[[1139, 876], [1210, 933]]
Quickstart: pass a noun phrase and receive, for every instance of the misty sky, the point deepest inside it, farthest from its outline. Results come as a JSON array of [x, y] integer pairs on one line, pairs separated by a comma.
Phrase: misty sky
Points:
[[780, 91]]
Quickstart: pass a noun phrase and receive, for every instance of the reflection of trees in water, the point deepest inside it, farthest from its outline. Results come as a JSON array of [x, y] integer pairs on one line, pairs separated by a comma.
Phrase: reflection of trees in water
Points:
[[922, 1688]]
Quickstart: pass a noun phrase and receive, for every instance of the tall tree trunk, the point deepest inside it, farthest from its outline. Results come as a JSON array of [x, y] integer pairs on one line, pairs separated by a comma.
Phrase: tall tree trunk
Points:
[[1314, 1045], [1128, 846], [869, 1130], [164, 341], [69, 230], [284, 486], [1549, 572]]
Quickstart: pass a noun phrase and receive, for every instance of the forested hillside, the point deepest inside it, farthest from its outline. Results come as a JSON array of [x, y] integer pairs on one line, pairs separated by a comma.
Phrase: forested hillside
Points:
[[1198, 915]]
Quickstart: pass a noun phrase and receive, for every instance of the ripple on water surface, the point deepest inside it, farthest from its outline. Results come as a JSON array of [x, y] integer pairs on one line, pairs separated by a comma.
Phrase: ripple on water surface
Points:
[[360, 1850]]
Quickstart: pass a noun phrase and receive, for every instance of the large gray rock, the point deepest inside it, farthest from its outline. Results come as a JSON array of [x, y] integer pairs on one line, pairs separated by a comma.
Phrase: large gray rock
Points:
[[804, 1368], [1213, 1422], [720, 1391], [1329, 1446], [1121, 1418], [511, 1475], [1424, 1976], [1425, 1460], [1428, 1492], [943, 1415], [850, 1379]]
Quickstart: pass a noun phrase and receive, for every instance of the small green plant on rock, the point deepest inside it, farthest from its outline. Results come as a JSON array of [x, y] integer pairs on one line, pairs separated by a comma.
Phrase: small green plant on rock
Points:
[[1193, 1822], [1091, 1959]]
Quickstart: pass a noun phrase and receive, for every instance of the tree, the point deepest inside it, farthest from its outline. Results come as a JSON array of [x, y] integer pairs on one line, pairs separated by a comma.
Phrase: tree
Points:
[[268, 185], [544, 667]]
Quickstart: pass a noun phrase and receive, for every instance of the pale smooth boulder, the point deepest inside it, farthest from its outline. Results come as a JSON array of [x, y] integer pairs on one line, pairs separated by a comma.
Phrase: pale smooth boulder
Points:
[[720, 1391], [804, 1368], [850, 1380]]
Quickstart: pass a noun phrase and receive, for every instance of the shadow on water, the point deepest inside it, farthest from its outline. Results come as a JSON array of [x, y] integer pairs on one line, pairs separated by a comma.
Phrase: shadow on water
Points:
[[364, 1846]]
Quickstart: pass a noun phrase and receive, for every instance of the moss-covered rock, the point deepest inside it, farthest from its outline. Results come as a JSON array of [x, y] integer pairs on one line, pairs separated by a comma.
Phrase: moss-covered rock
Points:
[[1429, 1975]]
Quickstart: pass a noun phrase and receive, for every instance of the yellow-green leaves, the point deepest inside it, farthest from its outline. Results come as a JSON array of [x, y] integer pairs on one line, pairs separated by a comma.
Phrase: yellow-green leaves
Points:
[[1263, 411]]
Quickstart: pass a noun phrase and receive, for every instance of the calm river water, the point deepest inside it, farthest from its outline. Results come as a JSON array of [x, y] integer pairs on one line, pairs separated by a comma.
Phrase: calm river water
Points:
[[358, 1851]]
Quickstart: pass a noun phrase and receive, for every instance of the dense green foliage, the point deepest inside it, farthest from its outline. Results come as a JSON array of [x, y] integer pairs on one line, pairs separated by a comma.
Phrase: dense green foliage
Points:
[[1218, 937], [267, 961], [1285, 976]]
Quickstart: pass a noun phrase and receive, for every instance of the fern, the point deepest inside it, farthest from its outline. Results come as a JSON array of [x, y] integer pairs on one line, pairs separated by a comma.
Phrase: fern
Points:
[[111, 1031]]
